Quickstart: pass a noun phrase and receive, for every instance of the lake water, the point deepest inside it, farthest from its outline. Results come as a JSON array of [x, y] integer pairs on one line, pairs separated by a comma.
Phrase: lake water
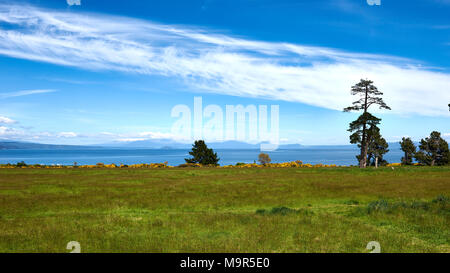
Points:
[[338, 156]]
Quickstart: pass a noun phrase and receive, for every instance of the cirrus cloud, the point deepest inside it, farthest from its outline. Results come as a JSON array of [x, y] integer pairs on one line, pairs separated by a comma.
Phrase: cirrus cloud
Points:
[[67, 134], [25, 93], [213, 62], [6, 120]]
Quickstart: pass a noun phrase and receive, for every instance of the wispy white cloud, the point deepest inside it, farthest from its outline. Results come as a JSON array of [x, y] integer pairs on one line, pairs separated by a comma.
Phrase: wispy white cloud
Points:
[[137, 136], [446, 137], [157, 135], [67, 134], [11, 133], [218, 63], [6, 120], [27, 134], [25, 93]]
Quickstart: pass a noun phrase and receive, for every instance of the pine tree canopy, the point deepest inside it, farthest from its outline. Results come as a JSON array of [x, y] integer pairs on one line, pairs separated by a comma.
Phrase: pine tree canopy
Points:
[[369, 96], [433, 150], [201, 154], [408, 147]]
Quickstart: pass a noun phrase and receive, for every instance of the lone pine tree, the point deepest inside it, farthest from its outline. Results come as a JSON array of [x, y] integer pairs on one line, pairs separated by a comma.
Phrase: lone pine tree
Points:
[[202, 154], [377, 145], [369, 95]]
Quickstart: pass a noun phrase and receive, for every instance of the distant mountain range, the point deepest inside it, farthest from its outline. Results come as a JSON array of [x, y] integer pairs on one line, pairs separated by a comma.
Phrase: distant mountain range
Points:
[[237, 145], [9, 145], [169, 144]]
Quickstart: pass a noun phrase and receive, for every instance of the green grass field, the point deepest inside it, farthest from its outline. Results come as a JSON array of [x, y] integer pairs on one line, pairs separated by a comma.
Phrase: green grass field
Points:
[[225, 210]]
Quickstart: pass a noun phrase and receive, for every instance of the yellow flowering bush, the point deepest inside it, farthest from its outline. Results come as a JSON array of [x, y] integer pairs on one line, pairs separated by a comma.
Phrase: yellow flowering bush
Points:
[[292, 164]]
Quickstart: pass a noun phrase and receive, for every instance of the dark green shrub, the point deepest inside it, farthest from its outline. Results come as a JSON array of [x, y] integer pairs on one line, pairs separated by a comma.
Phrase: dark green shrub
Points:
[[260, 211], [441, 203], [21, 164], [420, 205], [351, 202], [380, 205], [283, 211], [441, 199], [201, 154]]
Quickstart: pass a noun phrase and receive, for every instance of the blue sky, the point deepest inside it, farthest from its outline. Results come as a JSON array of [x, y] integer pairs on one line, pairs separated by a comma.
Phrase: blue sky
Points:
[[105, 71]]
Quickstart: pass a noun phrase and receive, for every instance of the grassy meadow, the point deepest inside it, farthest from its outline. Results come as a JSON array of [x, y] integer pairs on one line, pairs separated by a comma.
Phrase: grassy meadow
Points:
[[405, 209]]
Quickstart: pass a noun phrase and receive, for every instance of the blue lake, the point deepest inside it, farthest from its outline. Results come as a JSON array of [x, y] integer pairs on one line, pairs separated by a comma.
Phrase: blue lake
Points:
[[341, 156]]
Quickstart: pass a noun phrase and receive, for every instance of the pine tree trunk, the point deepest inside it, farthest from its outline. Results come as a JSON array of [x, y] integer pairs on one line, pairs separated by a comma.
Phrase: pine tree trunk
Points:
[[364, 143], [366, 148], [361, 160], [376, 162]]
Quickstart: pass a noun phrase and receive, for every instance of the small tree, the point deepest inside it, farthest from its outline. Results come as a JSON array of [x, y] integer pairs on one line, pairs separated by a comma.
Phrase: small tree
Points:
[[202, 154], [433, 150], [21, 164], [369, 95], [362, 128], [409, 149], [264, 158], [378, 147]]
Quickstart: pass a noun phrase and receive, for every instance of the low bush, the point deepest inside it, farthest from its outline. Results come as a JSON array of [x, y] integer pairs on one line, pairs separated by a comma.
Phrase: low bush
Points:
[[379, 205], [21, 164], [441, 199], [440, 203], [282, 211], [351, 202]]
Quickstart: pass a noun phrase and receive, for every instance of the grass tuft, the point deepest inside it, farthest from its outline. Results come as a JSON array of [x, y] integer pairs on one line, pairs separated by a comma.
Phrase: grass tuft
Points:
[[283, 211]]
